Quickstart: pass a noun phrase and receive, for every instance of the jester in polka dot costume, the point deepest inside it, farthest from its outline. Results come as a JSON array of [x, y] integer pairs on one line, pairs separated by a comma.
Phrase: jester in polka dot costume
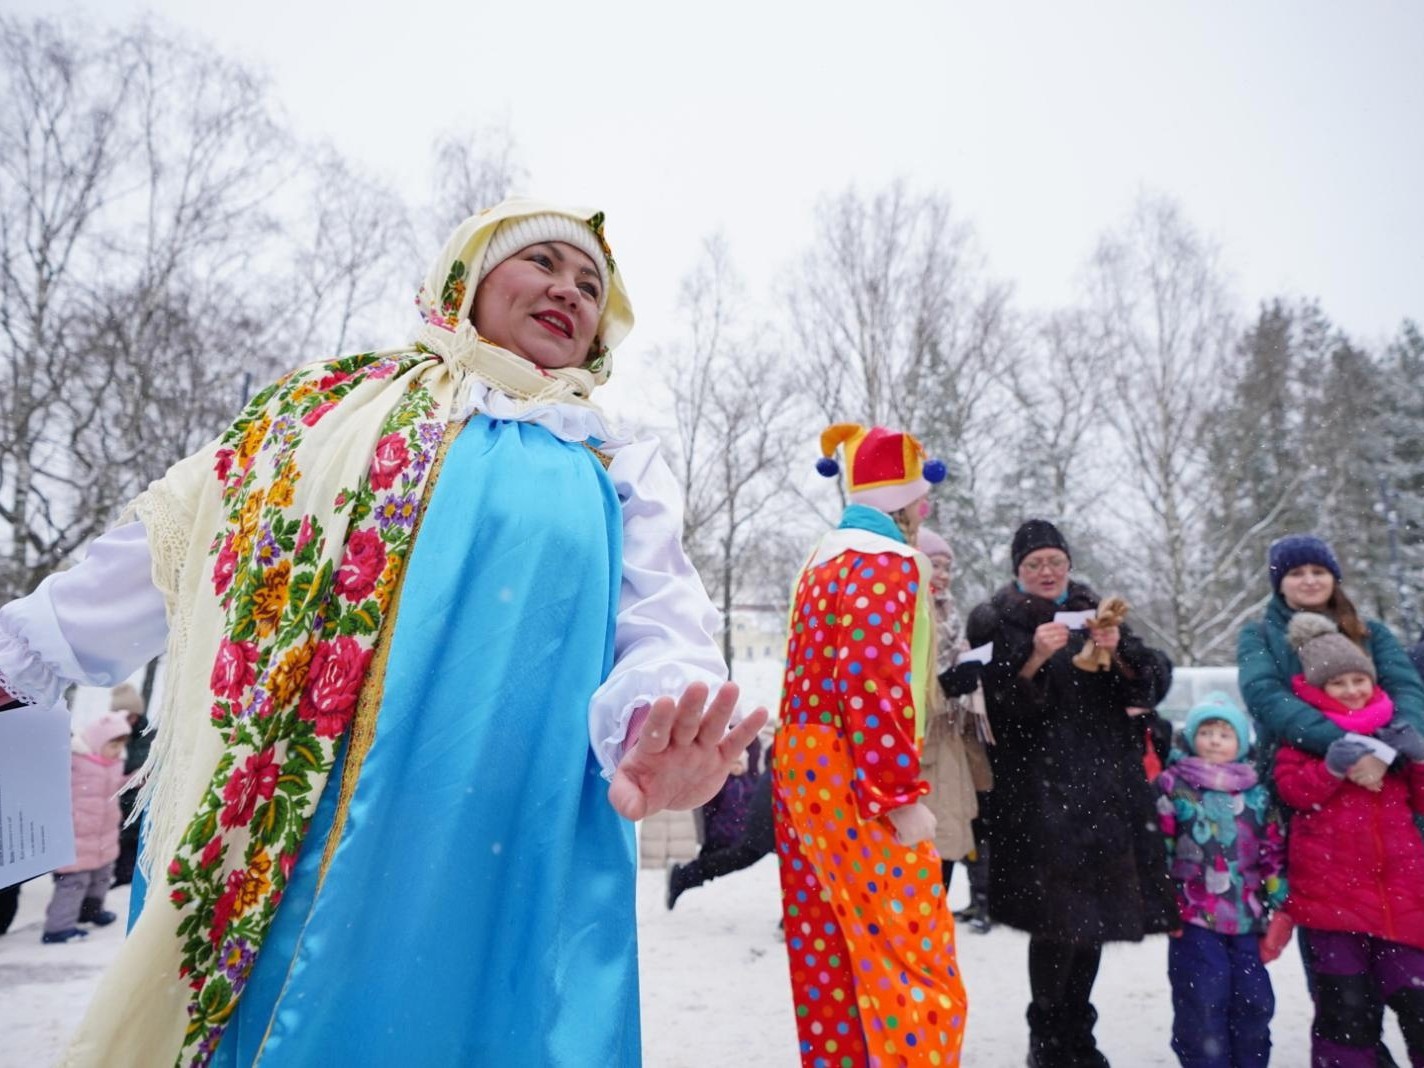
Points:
[[869, 936]]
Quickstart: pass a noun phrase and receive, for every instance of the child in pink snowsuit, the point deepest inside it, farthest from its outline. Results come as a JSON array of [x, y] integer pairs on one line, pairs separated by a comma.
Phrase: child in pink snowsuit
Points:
[[96, 776], [1355, 856]]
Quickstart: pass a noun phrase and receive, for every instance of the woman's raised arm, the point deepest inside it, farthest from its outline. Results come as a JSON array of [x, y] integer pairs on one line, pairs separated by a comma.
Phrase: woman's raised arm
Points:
[[1269, 698], [95, 624]]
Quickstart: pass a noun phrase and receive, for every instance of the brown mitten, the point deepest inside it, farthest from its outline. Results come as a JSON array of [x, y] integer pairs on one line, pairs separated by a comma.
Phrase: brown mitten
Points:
[[1111, 612]]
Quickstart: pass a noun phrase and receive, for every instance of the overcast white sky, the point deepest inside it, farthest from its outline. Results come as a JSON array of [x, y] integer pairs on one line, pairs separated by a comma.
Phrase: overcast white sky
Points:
[[1289, 131]]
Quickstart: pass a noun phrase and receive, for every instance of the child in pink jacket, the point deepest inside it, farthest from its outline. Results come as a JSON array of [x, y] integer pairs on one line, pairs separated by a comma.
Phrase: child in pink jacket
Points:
[[96, 776]]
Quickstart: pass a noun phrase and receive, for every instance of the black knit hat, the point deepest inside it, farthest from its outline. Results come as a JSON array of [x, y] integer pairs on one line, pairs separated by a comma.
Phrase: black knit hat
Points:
[[1033, 535]]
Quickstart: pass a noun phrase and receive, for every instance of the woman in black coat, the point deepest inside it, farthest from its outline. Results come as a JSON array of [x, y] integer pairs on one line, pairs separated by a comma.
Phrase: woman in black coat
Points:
[[1077, 856]]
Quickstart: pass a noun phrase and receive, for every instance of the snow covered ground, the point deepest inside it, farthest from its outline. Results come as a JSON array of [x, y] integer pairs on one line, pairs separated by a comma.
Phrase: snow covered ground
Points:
[[715, 989]]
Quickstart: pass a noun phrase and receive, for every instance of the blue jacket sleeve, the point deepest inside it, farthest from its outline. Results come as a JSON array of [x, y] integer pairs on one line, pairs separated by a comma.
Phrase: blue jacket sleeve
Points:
[[1268, 696], [1397, 676]]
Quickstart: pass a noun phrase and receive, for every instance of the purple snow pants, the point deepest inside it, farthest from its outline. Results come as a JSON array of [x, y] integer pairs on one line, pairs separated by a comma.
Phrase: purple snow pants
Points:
[[1356, 977]]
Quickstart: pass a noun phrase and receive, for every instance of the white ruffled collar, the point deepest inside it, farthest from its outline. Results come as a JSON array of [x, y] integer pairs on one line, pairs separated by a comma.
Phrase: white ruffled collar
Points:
[[568, 422]]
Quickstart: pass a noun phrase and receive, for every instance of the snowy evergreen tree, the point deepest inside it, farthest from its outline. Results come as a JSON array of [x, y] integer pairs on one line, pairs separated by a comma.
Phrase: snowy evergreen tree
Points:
[[1257, 467], [1344, 441], [1403, 432], [1163, 315]]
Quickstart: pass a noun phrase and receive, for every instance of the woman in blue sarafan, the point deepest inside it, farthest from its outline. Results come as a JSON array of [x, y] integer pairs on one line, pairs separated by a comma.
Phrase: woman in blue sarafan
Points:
[[432, 642]]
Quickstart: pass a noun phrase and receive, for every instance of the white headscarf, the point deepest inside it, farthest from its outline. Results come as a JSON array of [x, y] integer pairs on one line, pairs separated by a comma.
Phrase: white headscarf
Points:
[[446, 298]]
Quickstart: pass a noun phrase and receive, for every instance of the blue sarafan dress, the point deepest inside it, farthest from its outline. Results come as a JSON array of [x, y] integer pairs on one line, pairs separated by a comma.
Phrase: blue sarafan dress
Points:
[[479, 906], [437, 896]]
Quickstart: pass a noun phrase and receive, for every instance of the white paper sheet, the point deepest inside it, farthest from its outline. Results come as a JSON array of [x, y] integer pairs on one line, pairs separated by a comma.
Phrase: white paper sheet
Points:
[[1074, 620], [36, 828], [1385, 752], [982, 654]]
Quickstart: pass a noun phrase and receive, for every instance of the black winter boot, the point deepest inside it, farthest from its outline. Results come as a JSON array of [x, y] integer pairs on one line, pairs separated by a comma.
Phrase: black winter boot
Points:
[[9, 905], [980, 923], [93, 911], [51, 937], [1049, 1043], [676, 884], [1085, 1047]]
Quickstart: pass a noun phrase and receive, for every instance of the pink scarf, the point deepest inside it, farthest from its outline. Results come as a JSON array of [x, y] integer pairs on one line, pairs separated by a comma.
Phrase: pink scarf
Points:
[[1378, 710]]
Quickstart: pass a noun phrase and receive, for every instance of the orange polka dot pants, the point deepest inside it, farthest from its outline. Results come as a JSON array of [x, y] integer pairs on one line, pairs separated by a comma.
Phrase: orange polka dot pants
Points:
[[869, 935]]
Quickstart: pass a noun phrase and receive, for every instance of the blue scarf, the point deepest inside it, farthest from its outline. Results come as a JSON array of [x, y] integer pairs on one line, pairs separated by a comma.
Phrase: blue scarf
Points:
[[863, 517]]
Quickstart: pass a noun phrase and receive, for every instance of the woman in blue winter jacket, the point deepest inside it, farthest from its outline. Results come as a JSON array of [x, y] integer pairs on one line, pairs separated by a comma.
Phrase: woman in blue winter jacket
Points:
[[1305, 576]]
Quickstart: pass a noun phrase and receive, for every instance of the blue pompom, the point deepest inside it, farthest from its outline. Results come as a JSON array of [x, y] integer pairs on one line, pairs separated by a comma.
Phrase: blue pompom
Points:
[[827, 466], [935, 471]]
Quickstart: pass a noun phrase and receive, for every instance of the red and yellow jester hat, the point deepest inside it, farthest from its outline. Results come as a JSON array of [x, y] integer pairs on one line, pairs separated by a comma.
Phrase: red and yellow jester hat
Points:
[[885, 469]]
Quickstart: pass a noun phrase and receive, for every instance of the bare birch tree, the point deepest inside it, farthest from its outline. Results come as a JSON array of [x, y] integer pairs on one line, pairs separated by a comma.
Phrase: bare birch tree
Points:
[[738, 423], [355, 252], [1058, 392], [473, 169], [164, 252], [901, 326], [135, 166], [880, 297], [1164, 316], [62, 141], [187, 309]]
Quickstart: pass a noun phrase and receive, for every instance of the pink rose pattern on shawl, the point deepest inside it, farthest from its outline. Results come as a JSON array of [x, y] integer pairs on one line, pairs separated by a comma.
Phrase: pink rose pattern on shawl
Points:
[[283, 695], [362, 565], [251, 783], [333, 685], [392, 457]]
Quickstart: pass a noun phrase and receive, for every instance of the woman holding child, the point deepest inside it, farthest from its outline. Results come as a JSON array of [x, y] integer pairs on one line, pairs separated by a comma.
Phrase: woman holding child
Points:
[[1305, 575], [1326, 687]]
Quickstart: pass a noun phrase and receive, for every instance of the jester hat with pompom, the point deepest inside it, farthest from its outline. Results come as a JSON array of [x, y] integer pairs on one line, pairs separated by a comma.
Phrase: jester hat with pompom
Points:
[[885, 469]]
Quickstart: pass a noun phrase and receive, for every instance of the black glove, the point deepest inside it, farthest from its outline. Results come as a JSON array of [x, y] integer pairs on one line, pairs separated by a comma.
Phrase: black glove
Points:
[[1401, 736], [1343, 755], [961, 679]]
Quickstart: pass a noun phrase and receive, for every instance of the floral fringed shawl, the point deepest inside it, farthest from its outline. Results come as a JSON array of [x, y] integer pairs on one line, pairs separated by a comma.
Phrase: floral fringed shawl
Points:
[[303, 598]]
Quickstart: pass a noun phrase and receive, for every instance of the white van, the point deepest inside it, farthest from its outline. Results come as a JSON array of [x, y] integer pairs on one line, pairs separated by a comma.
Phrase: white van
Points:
[[1191, 684]]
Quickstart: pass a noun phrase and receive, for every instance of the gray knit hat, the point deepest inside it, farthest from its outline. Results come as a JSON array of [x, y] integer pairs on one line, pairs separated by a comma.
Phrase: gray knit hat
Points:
[[1324, 652], [514, 235]]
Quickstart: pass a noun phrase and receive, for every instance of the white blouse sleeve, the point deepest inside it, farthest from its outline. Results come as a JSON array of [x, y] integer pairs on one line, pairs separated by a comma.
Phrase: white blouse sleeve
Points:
[[96, 623], [665, 637]]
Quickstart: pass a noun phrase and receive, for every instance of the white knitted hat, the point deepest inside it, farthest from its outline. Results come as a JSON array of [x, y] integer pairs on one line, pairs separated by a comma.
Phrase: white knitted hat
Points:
[[514, 235]]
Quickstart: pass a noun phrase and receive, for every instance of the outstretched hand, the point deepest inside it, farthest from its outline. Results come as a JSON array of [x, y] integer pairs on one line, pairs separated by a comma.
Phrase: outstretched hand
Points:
[[683, 755]]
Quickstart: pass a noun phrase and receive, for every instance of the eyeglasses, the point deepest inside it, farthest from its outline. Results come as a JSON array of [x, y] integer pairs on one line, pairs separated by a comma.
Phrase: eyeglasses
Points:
[[1056, 564]]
